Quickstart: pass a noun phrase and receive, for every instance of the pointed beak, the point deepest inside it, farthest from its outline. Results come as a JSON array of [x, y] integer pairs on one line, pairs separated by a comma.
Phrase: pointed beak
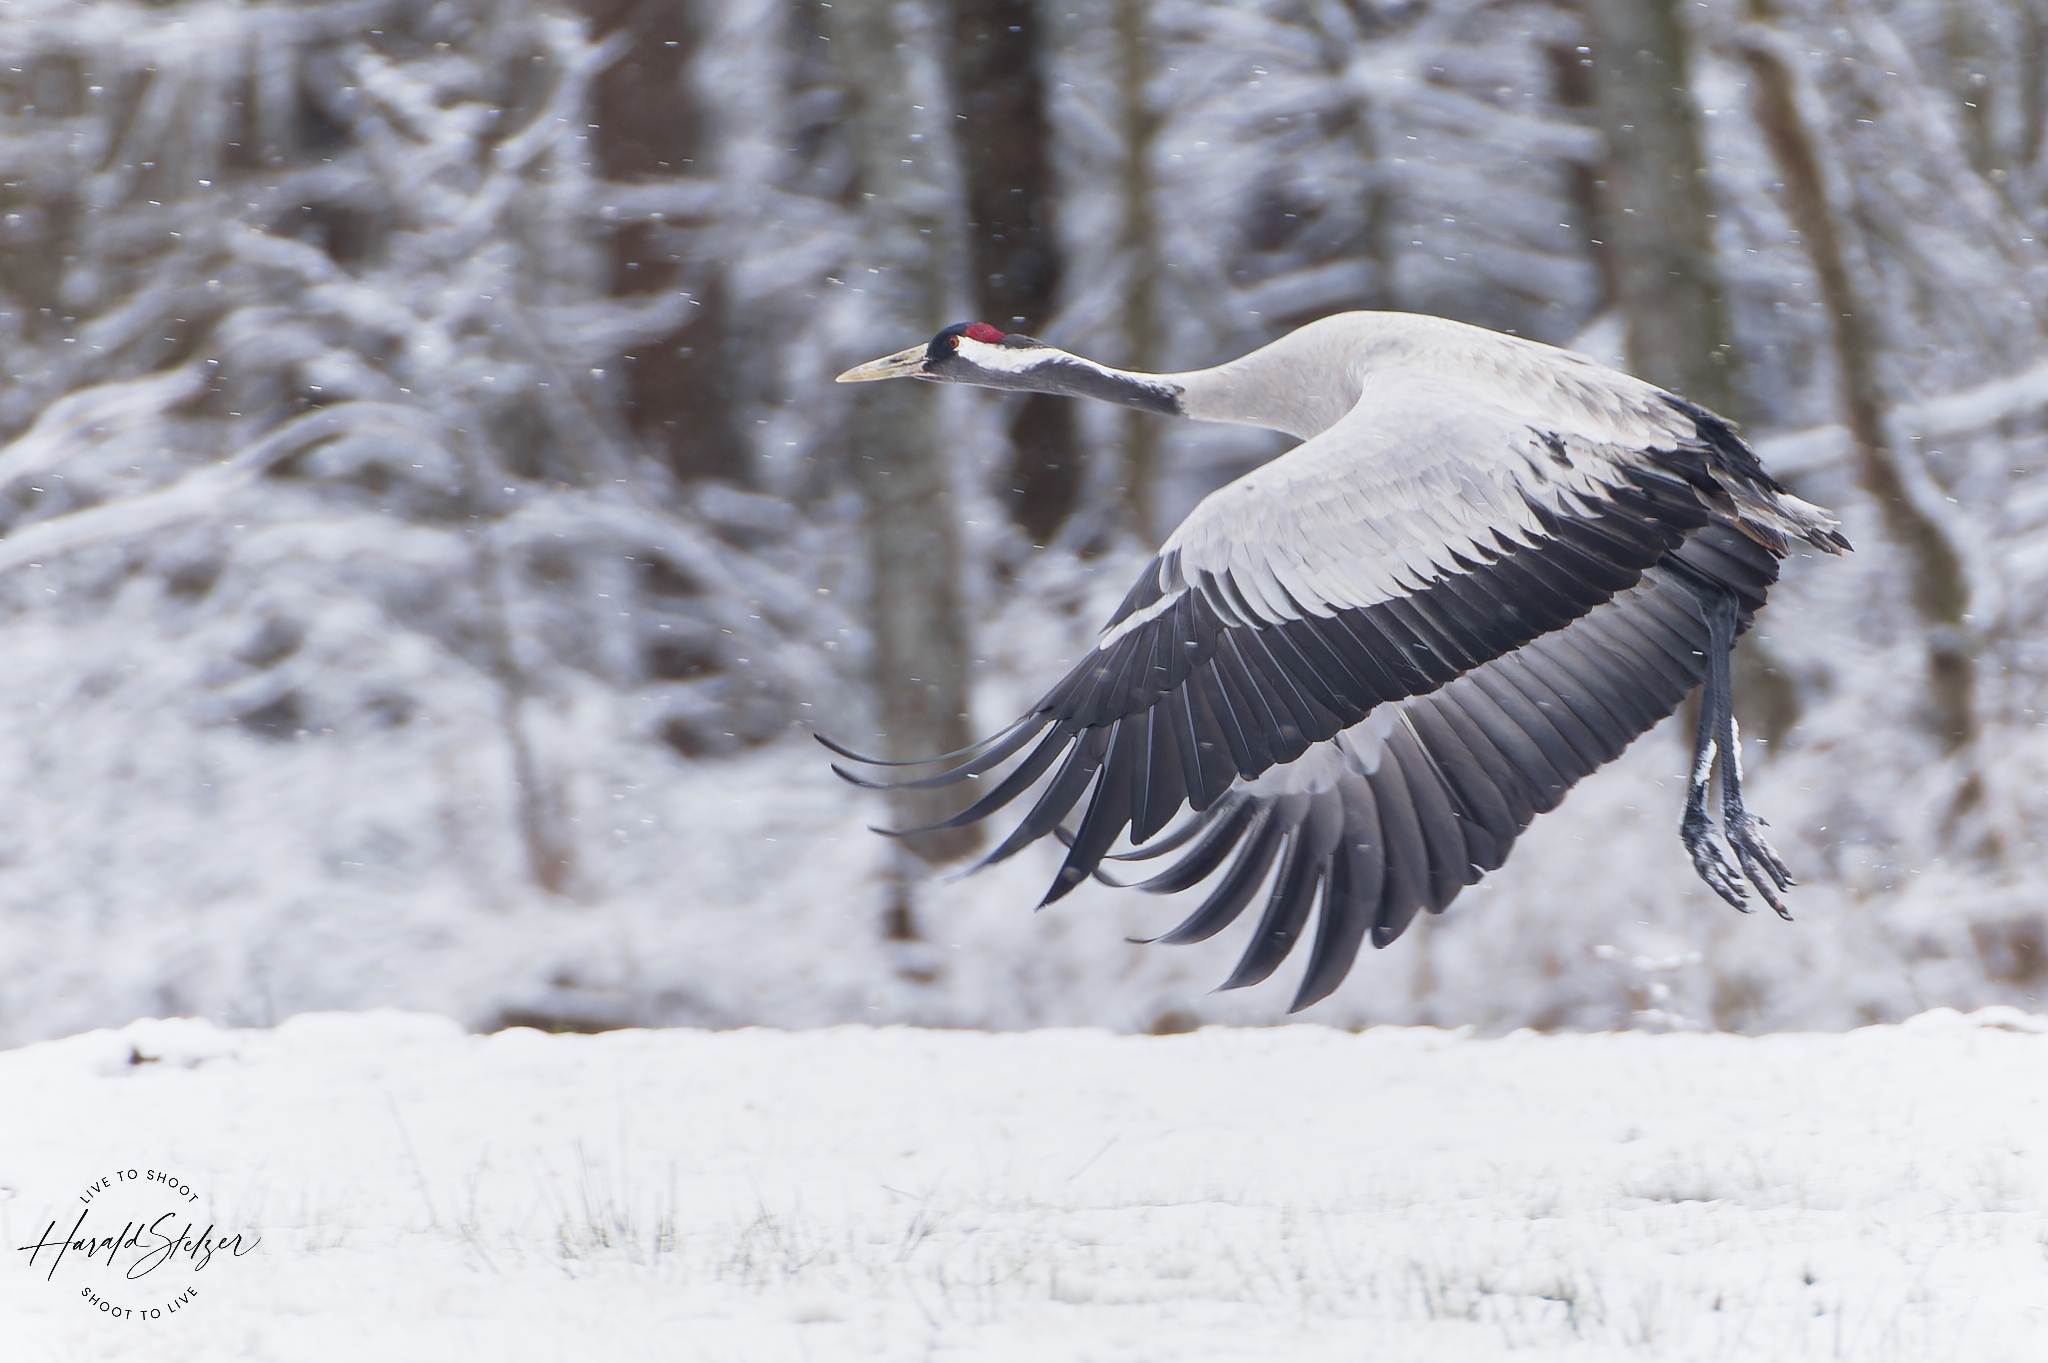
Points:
[[904, 364]]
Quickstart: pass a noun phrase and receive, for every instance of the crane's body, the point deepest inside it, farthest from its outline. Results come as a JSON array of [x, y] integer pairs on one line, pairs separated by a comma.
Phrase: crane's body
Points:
[[1488, 567]]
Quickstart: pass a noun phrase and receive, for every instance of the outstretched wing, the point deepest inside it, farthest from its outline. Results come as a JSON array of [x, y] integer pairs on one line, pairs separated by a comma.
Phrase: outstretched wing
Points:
[[1401, 811], [1425, 535]]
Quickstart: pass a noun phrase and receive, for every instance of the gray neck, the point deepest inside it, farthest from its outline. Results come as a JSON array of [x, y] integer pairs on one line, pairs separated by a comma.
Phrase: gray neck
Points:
[[1077, 377], [1302, 384]]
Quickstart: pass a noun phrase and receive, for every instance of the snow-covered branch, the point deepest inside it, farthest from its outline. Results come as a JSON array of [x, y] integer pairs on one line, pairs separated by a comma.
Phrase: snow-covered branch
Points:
[[1799, 454], [208, 491]]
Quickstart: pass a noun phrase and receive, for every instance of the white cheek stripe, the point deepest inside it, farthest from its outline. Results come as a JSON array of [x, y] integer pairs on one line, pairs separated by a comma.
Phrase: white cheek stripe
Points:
[[1005, 359]]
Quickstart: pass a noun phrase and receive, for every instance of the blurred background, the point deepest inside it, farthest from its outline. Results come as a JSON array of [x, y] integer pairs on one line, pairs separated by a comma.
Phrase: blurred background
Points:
[[431, 531]]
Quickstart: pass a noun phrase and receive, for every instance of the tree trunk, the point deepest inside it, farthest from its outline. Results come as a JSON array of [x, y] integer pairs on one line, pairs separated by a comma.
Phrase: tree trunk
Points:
[[538, 797], [1940, 588], [681, 390], [1139, 249], [1656, 214], [899, 464], [1571, 68], [995, 68], [1968, 41], [1654, 217]]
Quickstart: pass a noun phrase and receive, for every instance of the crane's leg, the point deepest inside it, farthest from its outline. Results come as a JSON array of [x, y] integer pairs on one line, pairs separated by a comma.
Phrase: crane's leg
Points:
[[1718, 741], [1760, 862], [1695, 827]]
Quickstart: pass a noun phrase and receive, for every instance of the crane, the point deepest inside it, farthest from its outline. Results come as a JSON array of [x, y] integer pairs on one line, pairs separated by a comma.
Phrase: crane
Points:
[[1365, 666]]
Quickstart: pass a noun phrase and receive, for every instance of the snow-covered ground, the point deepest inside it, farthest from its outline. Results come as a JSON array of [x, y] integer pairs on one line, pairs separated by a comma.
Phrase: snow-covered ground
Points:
[[1289, 1193]]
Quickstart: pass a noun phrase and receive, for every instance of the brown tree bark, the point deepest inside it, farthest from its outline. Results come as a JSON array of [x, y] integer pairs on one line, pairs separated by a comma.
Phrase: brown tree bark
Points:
[[1939, 587], [1656, 215], [995, 68], [1139, 249], [680, 389], [1571, 68]]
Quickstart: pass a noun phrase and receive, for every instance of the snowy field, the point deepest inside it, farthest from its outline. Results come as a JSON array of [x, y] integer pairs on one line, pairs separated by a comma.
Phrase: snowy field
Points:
[[853, 1193]]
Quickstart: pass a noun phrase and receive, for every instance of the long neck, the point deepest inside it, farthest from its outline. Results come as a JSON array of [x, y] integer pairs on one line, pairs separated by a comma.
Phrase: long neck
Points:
[[1043, 369], [1310, 379], [1259, 389], [1302, 384], [1072, 375]]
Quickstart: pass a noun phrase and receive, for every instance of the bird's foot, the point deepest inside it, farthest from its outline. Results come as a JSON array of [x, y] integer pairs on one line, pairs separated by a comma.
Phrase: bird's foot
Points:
[[1696, 831], [1760, 861]]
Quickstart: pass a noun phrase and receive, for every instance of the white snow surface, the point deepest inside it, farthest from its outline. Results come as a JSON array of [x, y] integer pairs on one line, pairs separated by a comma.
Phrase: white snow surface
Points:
[[854, 1193]]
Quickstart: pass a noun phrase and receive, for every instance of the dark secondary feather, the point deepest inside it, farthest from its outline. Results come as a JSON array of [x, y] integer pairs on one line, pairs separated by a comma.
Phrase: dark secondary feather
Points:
[[1439, 797], [1507, 678], [1183, 705]]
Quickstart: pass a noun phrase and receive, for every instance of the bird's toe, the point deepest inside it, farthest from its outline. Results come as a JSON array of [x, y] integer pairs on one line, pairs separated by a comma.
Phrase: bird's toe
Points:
[[1760, 861], [1697, 833]]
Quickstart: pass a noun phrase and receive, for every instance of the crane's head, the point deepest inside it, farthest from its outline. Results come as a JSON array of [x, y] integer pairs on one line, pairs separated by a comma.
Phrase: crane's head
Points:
[[977, 353], [966, 352]]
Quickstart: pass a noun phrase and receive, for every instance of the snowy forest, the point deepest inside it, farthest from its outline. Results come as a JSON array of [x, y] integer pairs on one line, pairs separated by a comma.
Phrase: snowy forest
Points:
[[432, 534]]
